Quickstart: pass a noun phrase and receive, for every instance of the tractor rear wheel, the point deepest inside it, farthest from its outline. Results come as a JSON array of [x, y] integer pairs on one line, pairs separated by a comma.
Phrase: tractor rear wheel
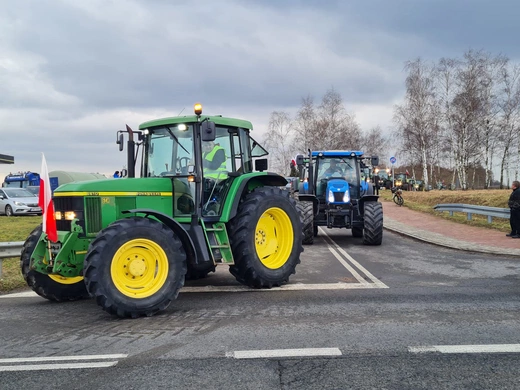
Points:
[[306, 211], [52, 287], [135, 267], [266, 238], [373, 228]]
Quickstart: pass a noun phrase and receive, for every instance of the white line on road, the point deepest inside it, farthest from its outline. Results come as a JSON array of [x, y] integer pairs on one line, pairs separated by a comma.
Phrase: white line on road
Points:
[[331, 242], [26, 294], [62, 366], [240, 288], [284, 353], [489, 348], [58, 358]]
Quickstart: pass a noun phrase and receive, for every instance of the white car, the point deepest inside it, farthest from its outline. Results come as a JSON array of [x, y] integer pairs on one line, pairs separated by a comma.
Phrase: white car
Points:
[[18, 201]]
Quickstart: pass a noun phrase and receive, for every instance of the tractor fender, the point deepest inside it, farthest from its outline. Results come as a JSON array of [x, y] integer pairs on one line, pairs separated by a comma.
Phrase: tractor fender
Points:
[[178, 229], [268, 180], [366, 198]]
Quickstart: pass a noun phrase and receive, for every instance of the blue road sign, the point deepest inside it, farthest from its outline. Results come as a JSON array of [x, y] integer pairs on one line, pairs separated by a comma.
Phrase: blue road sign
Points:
[[393, 160]]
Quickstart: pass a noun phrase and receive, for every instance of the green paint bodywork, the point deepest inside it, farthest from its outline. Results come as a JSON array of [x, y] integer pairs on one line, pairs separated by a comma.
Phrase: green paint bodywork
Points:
[[118, 195], [192, 118]]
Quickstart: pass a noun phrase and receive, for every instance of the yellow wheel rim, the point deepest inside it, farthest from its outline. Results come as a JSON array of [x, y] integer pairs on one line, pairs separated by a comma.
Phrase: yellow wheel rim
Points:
[[139, 268], [63, 280], [274, 238]]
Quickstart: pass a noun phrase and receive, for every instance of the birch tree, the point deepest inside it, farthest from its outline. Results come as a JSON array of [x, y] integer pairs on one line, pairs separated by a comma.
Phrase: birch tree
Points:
[[279, 142]]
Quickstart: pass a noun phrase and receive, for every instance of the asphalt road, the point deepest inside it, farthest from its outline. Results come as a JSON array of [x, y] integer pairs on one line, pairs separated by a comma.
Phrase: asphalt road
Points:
[[404, 315]]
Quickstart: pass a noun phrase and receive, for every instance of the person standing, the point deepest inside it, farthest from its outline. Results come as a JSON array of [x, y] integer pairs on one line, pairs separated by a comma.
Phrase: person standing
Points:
[[514, 206]]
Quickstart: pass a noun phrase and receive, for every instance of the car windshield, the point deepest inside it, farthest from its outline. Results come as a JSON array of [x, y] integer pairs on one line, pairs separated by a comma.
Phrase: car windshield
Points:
[[18, 193], [34, 190]]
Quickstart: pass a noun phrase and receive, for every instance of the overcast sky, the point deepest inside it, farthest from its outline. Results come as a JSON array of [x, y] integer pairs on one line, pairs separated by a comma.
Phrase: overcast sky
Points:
[[74, 72]]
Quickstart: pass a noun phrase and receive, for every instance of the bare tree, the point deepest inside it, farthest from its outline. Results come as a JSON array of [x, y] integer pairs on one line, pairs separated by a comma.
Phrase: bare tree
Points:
[[417, 118], [305, 126], [279, 142], [510, 116], [375, 143], [337, 129]]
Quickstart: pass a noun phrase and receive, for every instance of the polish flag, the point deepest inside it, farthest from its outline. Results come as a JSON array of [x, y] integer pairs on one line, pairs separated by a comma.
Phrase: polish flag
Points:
[[45, 202]]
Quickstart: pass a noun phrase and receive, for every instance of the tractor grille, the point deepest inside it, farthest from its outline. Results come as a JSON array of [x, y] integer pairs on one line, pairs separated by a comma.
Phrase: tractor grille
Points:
[[93, 214], [338, 197]]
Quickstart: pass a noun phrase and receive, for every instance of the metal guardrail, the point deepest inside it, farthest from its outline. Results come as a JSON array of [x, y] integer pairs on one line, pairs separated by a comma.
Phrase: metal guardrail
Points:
[[470, 209], [9, 249]]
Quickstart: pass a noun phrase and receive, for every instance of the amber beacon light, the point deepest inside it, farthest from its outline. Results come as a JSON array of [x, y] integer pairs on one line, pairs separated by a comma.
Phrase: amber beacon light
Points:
[[198, 109]]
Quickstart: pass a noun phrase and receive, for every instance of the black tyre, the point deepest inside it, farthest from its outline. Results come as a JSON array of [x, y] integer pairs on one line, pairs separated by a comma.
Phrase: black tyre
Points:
[[357, 232], [135, 267], [373, 227], [398, 200], [266, 238], [51, 287], [9, 211], [306, 211]]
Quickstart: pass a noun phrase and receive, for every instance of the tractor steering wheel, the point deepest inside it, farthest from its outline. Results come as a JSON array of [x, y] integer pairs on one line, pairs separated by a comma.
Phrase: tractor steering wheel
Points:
[[182, 164]]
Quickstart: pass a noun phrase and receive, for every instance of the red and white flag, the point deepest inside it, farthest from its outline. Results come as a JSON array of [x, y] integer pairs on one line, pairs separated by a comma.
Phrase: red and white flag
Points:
[[45, 202]]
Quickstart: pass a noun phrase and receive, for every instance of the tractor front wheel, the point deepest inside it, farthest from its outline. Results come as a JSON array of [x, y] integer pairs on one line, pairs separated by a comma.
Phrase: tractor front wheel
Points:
[[135, 267], [52, 287], [373, 228], [266, 238], [306, 211]]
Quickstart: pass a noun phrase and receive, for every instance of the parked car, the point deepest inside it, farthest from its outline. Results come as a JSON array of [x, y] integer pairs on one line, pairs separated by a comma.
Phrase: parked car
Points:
[[18, 201]]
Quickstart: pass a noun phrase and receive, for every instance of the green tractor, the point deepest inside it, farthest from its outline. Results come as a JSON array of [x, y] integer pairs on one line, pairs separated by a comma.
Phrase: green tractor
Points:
[[130, 243]]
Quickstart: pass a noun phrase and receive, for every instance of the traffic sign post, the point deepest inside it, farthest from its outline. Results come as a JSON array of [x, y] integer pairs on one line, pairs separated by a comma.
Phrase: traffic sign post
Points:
[[393, 160]]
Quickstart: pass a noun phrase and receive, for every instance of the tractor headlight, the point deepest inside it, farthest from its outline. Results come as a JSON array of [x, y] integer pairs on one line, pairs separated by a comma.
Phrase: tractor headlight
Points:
[[70, 215], [331, 196], [346, 197]]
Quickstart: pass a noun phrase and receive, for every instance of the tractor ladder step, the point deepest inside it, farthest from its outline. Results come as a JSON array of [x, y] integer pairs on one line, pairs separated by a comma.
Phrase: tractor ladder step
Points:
[[218, 242]]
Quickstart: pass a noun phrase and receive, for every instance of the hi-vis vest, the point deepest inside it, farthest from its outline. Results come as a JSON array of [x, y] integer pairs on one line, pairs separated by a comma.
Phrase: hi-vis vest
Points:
[[219, 173]]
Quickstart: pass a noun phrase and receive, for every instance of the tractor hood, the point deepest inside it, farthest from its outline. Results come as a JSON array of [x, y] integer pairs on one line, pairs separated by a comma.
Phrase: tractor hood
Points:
[[338, 191], [115, 186]]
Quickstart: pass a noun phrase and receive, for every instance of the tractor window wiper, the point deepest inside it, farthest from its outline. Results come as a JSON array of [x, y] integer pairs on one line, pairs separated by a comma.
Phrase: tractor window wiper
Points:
[[176, 139]]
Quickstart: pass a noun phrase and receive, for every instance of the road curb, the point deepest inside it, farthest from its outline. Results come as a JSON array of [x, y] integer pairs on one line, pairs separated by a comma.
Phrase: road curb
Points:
[[447, 242]]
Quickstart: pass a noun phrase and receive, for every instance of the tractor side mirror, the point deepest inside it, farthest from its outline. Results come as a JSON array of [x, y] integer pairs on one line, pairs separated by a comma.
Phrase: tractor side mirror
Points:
[[261, 164], [208, 131], [299, 160], [120, 142], [374, 161]]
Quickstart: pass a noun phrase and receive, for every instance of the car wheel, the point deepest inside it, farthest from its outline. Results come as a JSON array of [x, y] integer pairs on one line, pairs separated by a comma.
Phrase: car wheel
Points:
[[9, 211]]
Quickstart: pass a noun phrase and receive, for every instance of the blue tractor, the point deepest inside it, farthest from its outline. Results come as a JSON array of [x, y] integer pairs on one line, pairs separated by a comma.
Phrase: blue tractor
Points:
[[341, 193]]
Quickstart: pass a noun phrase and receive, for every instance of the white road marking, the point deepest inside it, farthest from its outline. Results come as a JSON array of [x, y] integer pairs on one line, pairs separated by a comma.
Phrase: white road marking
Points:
[[26, 294], [489, 348], [62, 366], [58, 358], [331, 242], [240, 288], [354, 273], [284, 353]]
